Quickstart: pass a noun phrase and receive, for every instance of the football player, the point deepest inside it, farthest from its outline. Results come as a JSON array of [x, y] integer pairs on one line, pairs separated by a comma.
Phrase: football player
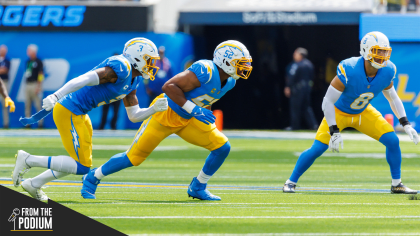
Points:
[[347, 104], [190, 95], [115, 78]]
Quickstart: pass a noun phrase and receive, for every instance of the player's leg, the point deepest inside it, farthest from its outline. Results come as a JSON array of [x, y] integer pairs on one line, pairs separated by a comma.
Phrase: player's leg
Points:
[[150, 134], [372, 123], [308, 157], [33, 186], [76, 135], [209, 137]]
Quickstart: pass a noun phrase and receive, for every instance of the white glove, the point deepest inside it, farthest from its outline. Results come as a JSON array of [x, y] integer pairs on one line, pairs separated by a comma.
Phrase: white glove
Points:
[[49, 102], [161, 105], [412, 133], [335, 141]]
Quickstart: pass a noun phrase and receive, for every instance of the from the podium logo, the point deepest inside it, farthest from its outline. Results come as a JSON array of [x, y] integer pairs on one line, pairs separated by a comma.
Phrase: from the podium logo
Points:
[[31, 219]]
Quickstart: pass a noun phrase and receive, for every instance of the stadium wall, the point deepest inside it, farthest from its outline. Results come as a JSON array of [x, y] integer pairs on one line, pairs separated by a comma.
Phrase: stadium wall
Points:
[[67, 55]]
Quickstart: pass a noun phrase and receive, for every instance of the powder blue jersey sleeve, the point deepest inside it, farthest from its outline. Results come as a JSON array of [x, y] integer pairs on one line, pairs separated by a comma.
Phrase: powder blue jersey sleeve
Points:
[[203, 70], [119, 66]]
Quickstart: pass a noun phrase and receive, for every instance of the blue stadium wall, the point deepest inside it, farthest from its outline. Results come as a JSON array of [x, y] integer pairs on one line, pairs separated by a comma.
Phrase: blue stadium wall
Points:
[[404, 34], [67, 55]]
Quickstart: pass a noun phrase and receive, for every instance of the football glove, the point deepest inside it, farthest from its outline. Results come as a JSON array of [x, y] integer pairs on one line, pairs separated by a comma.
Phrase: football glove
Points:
[[161, 105], [49, 102], [204, 115], [412, 133], [9, 103], [335, 141]]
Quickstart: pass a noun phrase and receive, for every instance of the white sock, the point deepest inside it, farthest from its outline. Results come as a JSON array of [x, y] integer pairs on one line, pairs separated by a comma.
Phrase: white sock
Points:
[[203, 178], [290, 182], [58, 163], [396, 182], [98, 173], [45, 177]]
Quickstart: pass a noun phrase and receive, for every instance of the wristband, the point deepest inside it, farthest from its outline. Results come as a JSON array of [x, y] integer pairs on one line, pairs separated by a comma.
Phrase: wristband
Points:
[[189, 106], [404, 121], [334, 129]]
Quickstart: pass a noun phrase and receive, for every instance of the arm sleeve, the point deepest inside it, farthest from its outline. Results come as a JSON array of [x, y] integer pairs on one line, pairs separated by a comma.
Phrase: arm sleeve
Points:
[[136, 114], [201, 71], [89, 79], [328, 108], [395, 102]]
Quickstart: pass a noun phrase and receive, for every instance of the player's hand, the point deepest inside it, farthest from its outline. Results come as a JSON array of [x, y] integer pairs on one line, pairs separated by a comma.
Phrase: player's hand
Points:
[[335, 141], [9, 103], [412, 133], [204, 115], [49, 102], [161, 105]]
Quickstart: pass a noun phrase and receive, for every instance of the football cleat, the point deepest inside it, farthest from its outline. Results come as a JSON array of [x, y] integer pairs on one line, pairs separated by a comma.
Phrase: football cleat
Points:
[[36, 193], [20, 167], [90, 183], [199, 191], [289, 188], [400, 188]]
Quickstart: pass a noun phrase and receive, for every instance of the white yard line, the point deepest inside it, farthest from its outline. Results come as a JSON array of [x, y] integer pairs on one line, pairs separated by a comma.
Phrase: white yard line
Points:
[[254, 217], [245, 203], [363, 155]]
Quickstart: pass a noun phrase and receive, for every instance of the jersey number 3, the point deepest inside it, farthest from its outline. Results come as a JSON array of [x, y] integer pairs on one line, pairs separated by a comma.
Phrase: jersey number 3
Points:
[[362, 101]]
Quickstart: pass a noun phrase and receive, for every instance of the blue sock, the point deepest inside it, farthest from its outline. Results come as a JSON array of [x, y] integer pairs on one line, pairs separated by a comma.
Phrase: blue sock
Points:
[[118, 162], [216, 159], [81, 169], [393, 153], [307, 158]]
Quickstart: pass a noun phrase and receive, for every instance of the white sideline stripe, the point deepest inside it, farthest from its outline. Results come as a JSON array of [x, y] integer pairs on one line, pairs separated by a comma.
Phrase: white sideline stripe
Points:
[[229, 133], [254, 217], [284, 234], [7, 165], [246, 203], [363, 155], [126, 147]]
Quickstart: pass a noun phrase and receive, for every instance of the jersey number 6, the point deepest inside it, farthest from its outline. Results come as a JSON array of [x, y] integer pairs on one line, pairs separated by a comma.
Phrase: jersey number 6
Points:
[[362, 101]]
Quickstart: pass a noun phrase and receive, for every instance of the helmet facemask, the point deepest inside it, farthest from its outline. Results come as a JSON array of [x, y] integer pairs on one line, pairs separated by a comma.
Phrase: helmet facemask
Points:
[[379, 56], [150, 69], [242, 67]]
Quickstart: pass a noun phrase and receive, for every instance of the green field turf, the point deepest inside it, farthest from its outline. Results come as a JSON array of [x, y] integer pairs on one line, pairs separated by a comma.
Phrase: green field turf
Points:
[[341, 208]]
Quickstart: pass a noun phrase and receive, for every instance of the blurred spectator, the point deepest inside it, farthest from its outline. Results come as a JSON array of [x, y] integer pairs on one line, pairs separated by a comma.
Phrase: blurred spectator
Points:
[[4, 76], [34, 76], [105, 108], [299, 81], [154, 88]]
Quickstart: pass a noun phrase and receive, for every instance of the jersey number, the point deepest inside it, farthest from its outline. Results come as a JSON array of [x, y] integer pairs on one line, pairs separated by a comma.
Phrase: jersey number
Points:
[[228, 54], [112, 100], [362, 100], [209, 100]]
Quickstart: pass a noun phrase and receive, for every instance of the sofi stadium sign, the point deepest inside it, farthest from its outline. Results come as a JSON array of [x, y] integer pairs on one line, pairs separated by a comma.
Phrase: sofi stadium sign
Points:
[[278, 17], [73, 18]]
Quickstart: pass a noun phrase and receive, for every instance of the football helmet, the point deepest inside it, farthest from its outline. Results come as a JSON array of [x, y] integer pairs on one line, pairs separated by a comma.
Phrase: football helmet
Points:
[[142, 54], [375, 48], [234, 59]]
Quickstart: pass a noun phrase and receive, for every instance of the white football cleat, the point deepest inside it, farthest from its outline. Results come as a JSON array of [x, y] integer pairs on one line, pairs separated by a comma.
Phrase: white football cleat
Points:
[[20, 167], [36, 193]]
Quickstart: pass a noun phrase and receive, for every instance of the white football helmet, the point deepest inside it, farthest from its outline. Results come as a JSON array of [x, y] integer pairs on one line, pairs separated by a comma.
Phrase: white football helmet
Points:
[[142, 54], [375, 48], [234, 59]]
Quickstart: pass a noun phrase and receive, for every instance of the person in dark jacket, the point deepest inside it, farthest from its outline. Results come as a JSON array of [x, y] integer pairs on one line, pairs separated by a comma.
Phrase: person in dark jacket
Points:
[[299, 79]]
